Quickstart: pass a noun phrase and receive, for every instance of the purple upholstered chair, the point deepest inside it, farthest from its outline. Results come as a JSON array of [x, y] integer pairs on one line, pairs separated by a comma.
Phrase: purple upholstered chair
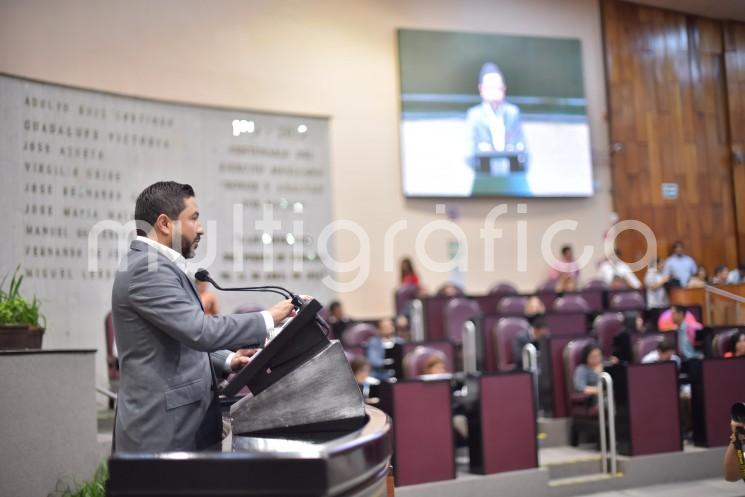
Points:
[[358, 334], [450, 290], [627, 301], [605, 327], [722, 341], [571, 303], [512, 306], [505, 332], [645, 344], [455, 314], [595, 284], [415, 360], [404, 295], [582, 409], [503, 288], [547, 293]]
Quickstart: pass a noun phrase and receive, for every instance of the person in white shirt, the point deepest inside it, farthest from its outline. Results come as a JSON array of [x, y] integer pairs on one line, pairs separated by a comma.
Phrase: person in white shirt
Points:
[[655, 281], [617, 273]]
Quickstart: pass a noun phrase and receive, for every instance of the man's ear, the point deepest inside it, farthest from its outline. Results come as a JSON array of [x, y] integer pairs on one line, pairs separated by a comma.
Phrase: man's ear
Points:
[[163, 225]]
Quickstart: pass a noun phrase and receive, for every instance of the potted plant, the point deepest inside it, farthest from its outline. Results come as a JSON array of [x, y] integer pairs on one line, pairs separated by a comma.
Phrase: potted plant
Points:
[[20, 326]]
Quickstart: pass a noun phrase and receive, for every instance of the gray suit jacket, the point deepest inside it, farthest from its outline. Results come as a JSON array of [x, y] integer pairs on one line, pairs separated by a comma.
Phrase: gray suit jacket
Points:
[[163, 338], [477, 123]]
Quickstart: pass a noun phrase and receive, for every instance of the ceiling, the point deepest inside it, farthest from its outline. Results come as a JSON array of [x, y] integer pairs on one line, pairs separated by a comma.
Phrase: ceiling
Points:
[[718, 9]]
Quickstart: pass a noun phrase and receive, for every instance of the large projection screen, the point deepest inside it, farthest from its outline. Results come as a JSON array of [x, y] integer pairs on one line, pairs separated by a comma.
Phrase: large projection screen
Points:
[[486, 115]]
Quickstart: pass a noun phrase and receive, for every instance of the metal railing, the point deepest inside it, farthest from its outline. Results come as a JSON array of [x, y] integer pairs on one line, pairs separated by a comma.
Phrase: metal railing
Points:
[[607, 438], [738, 299], [530, 364], [470, 364], [417, 320]]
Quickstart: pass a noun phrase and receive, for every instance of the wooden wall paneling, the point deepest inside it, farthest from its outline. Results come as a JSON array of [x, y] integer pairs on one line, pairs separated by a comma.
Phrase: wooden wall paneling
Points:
[[734, 68], [668, 111]]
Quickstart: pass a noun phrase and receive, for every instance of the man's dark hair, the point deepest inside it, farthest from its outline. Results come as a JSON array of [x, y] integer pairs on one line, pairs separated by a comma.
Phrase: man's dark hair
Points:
[[163, 197], [680, 308], [334, 305], [539, 321], [489, 68], [665, 346], [565, 249], [720, 268], [677, 244], [358, 363]]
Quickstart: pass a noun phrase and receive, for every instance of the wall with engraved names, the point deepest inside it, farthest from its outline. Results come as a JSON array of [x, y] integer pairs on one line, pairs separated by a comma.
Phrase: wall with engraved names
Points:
[[73, 161]]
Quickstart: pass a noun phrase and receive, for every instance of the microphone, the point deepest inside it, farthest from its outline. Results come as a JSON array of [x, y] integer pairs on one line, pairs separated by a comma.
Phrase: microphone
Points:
[[204, 275]]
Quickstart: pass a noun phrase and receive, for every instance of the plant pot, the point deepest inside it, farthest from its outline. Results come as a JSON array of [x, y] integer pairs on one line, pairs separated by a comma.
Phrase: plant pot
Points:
[[19, 337]]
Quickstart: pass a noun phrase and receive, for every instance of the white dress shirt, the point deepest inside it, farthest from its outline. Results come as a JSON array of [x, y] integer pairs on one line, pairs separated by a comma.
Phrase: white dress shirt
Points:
[[179, 260]]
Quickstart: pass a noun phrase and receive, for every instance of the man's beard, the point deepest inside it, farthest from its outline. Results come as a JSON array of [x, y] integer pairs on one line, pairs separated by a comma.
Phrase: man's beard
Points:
[[187, 246]]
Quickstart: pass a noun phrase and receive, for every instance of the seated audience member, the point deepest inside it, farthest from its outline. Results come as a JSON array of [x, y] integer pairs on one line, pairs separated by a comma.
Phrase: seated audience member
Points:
[[664, 352], [435, 365], [337, 319], [633, 324], [587, 374], [408, 275], [537, 330], [534, 307], [208, 298], [655, 282], [403, 328], [700, 279], [377, 346], [360, 369], [617, 274], [737, 346], [721, 273], [566, 275], [737, 276], [682, 322], [679, 266]]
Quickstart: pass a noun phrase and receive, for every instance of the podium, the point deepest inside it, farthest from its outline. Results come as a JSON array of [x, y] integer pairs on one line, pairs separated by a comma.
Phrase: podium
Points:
[[303, 430]]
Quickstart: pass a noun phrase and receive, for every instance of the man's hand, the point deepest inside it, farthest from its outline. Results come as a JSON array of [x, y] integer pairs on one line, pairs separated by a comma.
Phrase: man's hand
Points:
[[241, 358], [281, 311]]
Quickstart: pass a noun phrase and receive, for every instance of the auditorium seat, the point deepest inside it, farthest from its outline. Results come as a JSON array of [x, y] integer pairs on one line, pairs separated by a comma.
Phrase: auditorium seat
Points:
[[595, 284], [605, 328], [446, 347], [415, 360], [488, 327], [571, 303], [503, 288], [626, 301], [594, 298], [423, 438], [455, 314], [722, 341], [582, 409], [571, 324], [358, 334], [505, 332], [547, 293], [404, 295], [512, 306], [644, 344]]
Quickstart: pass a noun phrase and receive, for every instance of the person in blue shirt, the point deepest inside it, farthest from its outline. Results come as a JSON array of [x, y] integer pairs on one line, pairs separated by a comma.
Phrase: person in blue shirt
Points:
[[376, 347], [680, 266]]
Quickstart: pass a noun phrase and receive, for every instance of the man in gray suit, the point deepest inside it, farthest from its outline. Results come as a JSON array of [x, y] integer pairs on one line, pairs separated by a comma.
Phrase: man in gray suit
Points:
[[170, 351], [494, 125]]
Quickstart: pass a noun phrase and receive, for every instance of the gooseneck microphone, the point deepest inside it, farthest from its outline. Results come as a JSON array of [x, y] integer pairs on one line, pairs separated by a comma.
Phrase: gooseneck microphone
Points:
[[204, 275]]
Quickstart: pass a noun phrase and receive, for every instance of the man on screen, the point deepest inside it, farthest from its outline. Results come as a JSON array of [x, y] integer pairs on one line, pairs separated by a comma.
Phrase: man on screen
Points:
[[494, 127], [170, 351]]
